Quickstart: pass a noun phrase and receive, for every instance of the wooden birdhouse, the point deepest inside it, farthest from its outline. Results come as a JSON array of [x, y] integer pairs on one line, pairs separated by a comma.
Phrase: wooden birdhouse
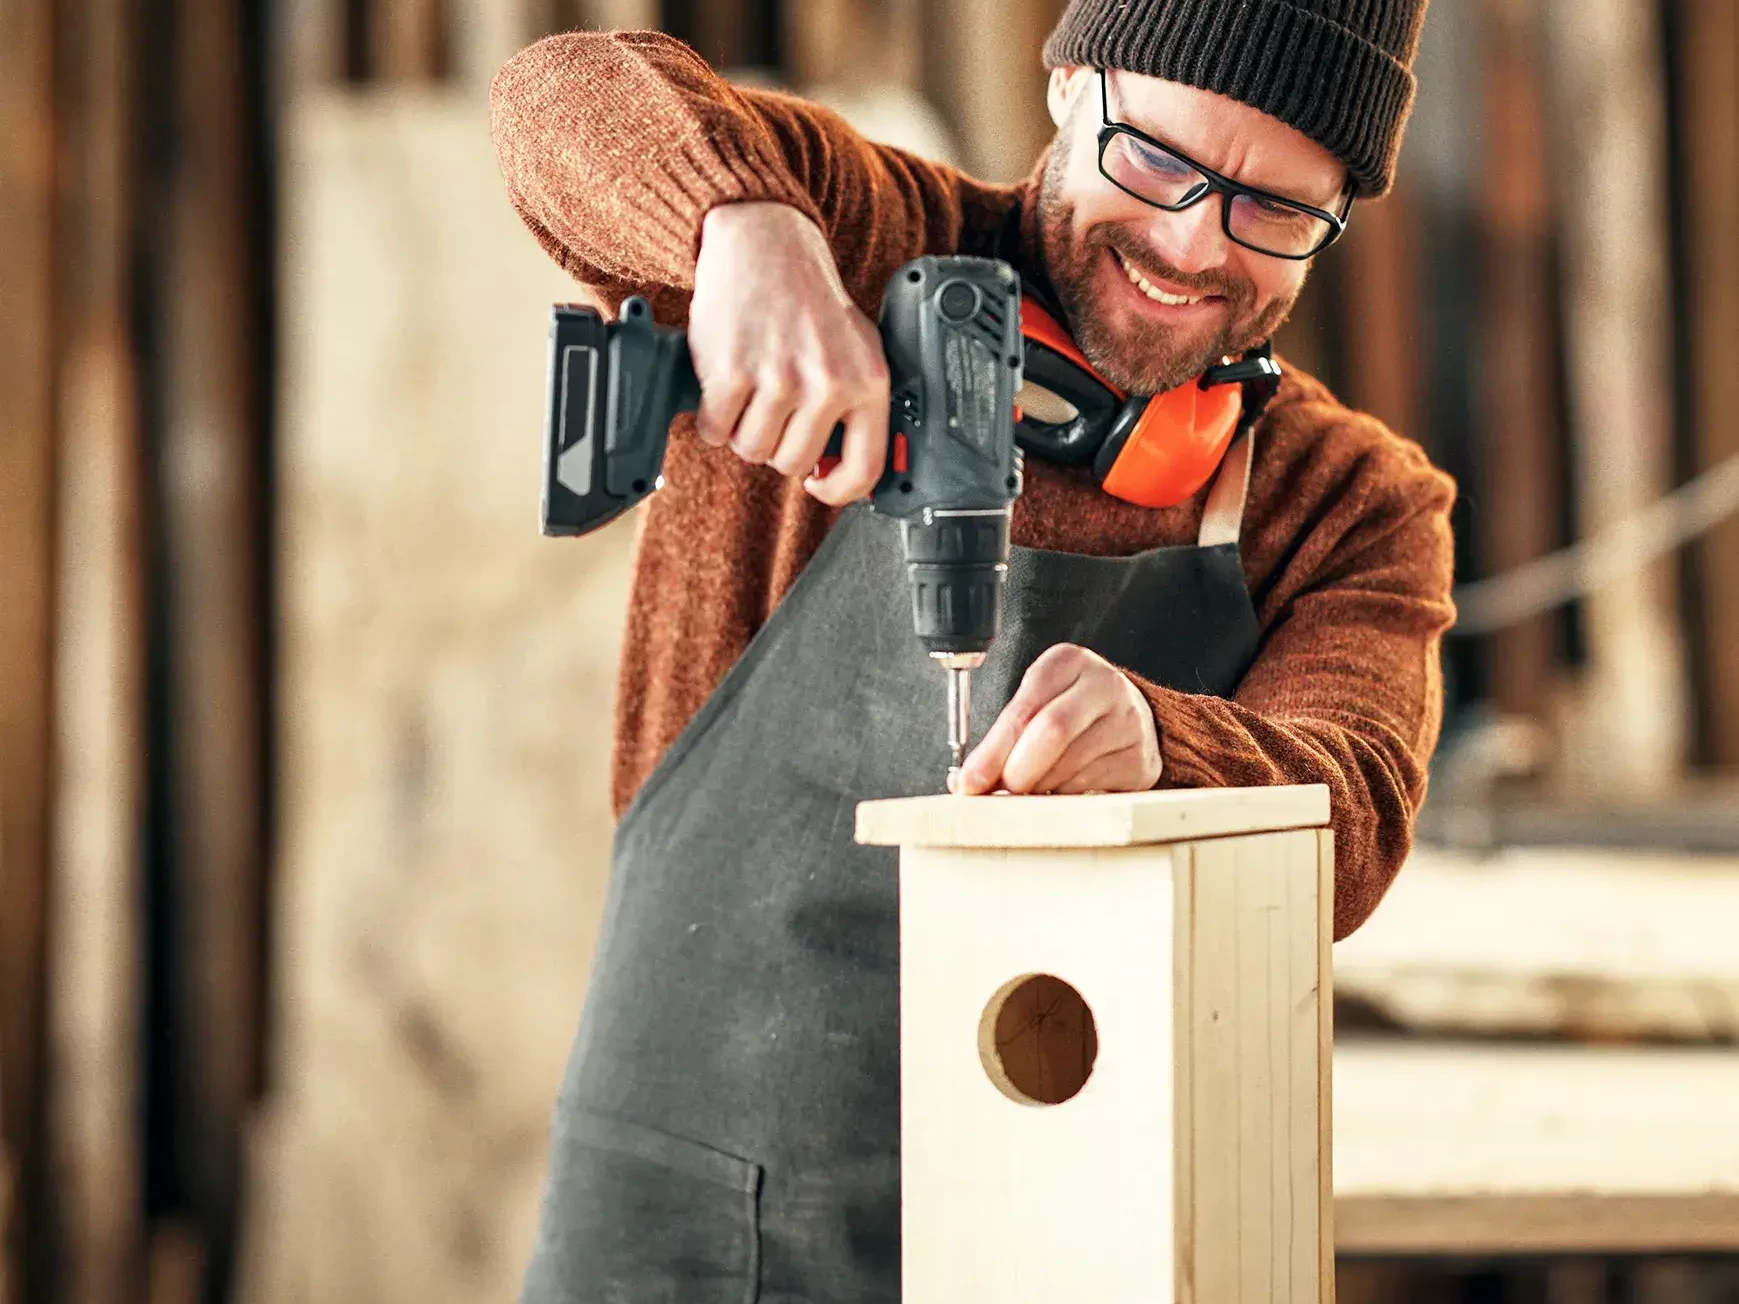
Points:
[[1114, 1046]]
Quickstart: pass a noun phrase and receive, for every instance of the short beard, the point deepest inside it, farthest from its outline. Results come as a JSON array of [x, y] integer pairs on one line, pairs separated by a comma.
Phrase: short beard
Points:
[[1146, 359]]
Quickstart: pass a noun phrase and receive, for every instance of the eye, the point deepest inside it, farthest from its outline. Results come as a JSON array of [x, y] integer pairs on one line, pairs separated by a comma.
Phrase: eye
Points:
[[1157, 161]]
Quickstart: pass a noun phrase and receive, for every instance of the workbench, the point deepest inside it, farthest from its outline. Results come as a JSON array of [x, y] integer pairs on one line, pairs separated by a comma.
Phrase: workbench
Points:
[[1470, 1149]]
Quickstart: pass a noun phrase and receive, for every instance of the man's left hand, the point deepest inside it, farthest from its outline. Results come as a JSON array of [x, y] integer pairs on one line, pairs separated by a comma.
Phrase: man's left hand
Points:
[[1077, 724]]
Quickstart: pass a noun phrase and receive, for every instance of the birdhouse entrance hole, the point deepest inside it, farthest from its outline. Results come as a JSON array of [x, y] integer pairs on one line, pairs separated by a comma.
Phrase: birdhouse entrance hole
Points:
[[1037, 1040]]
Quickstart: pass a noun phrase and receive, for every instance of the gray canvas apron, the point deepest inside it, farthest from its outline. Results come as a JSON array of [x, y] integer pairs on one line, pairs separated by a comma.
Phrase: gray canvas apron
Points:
[[728, 1130]]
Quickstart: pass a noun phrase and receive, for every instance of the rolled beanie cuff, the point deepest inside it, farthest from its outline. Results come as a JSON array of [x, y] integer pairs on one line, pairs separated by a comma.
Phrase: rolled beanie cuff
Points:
[[1337, 87]]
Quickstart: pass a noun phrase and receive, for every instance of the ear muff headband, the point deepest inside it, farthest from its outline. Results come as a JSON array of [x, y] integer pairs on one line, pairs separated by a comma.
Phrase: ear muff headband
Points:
[[1154, 452]]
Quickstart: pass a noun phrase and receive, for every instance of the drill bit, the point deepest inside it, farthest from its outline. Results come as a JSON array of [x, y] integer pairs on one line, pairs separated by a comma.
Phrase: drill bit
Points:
[[959, 667]]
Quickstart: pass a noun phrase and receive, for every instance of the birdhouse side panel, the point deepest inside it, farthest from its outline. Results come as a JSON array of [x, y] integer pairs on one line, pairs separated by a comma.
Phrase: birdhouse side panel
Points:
[[1037, 995]]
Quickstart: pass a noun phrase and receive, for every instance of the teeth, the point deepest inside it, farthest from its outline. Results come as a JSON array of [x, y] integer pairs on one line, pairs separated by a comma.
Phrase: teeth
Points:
[[1151, 290]]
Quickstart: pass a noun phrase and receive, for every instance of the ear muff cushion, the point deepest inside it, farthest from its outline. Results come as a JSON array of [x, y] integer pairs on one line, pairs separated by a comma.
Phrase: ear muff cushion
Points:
[[1176, 445]]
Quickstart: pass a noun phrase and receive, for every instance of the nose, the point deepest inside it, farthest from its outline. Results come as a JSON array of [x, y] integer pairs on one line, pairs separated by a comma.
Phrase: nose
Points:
[[1193, 240]]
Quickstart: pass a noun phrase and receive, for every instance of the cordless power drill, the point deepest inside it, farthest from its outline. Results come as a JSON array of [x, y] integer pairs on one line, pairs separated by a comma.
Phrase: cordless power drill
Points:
[[951, 329]]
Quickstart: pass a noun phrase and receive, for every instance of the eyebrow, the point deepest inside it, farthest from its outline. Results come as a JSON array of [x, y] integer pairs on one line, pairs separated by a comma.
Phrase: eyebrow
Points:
[[1330, 205]]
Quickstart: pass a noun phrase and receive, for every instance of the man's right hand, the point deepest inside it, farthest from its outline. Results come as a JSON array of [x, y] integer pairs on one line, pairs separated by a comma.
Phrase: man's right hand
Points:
[[782, 353]]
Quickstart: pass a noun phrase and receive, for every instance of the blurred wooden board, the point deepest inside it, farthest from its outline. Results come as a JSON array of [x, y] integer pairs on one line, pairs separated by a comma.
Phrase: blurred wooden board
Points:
[[1113, 819], [27, 322], [447, 680], [1598, 944], [1481, 1149]]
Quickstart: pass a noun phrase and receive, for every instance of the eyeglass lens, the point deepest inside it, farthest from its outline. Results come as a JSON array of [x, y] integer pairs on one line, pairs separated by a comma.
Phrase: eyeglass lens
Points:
[[1162, 178]]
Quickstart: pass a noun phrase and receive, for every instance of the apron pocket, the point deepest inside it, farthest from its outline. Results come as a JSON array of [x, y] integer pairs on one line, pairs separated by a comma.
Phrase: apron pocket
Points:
[[634, 1215]]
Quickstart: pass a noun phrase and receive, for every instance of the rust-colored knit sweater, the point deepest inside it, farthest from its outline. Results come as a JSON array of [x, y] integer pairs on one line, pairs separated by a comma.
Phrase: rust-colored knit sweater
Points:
[[615, 147]]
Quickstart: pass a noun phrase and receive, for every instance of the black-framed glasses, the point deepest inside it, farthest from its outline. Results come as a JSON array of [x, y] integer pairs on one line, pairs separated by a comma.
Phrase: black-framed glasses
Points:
[[1157, 174]]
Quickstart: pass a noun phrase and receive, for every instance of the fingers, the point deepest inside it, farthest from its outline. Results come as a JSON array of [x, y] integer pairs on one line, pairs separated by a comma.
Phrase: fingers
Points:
[[862, 459], [722, 404], [761, 429], [1044, 744], [1077, 724], [1051, 675], [1106, 773]]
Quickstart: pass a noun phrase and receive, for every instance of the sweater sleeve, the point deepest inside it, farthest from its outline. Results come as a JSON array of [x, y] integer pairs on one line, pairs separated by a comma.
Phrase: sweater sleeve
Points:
[[615, 146], [1346, 689]]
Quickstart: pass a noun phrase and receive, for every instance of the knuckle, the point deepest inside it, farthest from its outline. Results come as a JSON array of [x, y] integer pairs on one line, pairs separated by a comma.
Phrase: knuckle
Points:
[[780, 385]]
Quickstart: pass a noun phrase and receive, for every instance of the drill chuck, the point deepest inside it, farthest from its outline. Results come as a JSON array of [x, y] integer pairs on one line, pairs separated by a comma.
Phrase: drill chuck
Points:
[[957, 562]]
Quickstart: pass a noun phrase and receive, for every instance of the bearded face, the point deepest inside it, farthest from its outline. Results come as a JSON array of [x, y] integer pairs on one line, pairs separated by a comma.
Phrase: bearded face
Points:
[[1154, 298]]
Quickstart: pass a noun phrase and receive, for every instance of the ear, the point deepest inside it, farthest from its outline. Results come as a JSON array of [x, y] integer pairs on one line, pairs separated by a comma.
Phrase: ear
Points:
[[1065, 85]]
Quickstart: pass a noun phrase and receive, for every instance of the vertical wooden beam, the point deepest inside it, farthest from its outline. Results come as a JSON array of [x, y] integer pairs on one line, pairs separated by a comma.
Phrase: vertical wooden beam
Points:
[[982, 69], [619, 15], [409, 40], [1382, 318], [312, 52], [212, 540], [1708, 86], [27, 251], [853, 45], [1520, 471], [93, 964], [1629, 731]]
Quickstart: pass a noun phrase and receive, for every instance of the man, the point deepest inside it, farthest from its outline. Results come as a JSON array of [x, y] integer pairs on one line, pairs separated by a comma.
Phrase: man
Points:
[[729, 1126]]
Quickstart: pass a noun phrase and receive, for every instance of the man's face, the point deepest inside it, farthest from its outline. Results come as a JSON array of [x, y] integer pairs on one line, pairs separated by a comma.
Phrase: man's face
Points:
[[1205, 296]]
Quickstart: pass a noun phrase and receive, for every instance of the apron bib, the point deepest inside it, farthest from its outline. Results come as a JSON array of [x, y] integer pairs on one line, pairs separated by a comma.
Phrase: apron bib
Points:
[[728, 1128]]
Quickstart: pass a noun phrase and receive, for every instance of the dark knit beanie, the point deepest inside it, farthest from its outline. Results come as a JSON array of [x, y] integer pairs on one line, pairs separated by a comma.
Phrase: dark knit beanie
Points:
[[1340, 71]]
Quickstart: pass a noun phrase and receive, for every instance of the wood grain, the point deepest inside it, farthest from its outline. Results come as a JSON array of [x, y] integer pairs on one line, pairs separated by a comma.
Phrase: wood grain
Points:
[[1195, 1148], [1255, 1116], [983, 1175], [1089, 820], [1470, 1149]]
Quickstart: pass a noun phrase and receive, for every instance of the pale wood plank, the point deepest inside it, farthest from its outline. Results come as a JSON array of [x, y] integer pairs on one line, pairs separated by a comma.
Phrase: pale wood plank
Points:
[[1708, 89], [1213, 1017], [984, 1174], [1089, 820], [1541, 1149], [1603, 944], [1185, 1147], [1254, 1038], [1628, 733], [446, 678], [1325, 983]]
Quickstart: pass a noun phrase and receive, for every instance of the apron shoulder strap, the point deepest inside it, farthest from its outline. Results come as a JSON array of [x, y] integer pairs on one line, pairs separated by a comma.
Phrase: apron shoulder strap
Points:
[[1223, 518]]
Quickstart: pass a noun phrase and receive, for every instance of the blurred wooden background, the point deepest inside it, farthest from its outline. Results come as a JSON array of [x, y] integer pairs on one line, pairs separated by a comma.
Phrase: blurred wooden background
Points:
[[302, 727]]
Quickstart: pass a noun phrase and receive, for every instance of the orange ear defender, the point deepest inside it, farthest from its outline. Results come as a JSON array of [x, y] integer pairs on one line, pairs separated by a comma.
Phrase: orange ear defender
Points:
[[1152, 451]]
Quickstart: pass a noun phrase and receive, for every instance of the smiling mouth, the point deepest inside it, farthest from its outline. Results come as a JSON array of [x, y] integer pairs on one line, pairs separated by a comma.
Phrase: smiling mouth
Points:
[[1152, 291]]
